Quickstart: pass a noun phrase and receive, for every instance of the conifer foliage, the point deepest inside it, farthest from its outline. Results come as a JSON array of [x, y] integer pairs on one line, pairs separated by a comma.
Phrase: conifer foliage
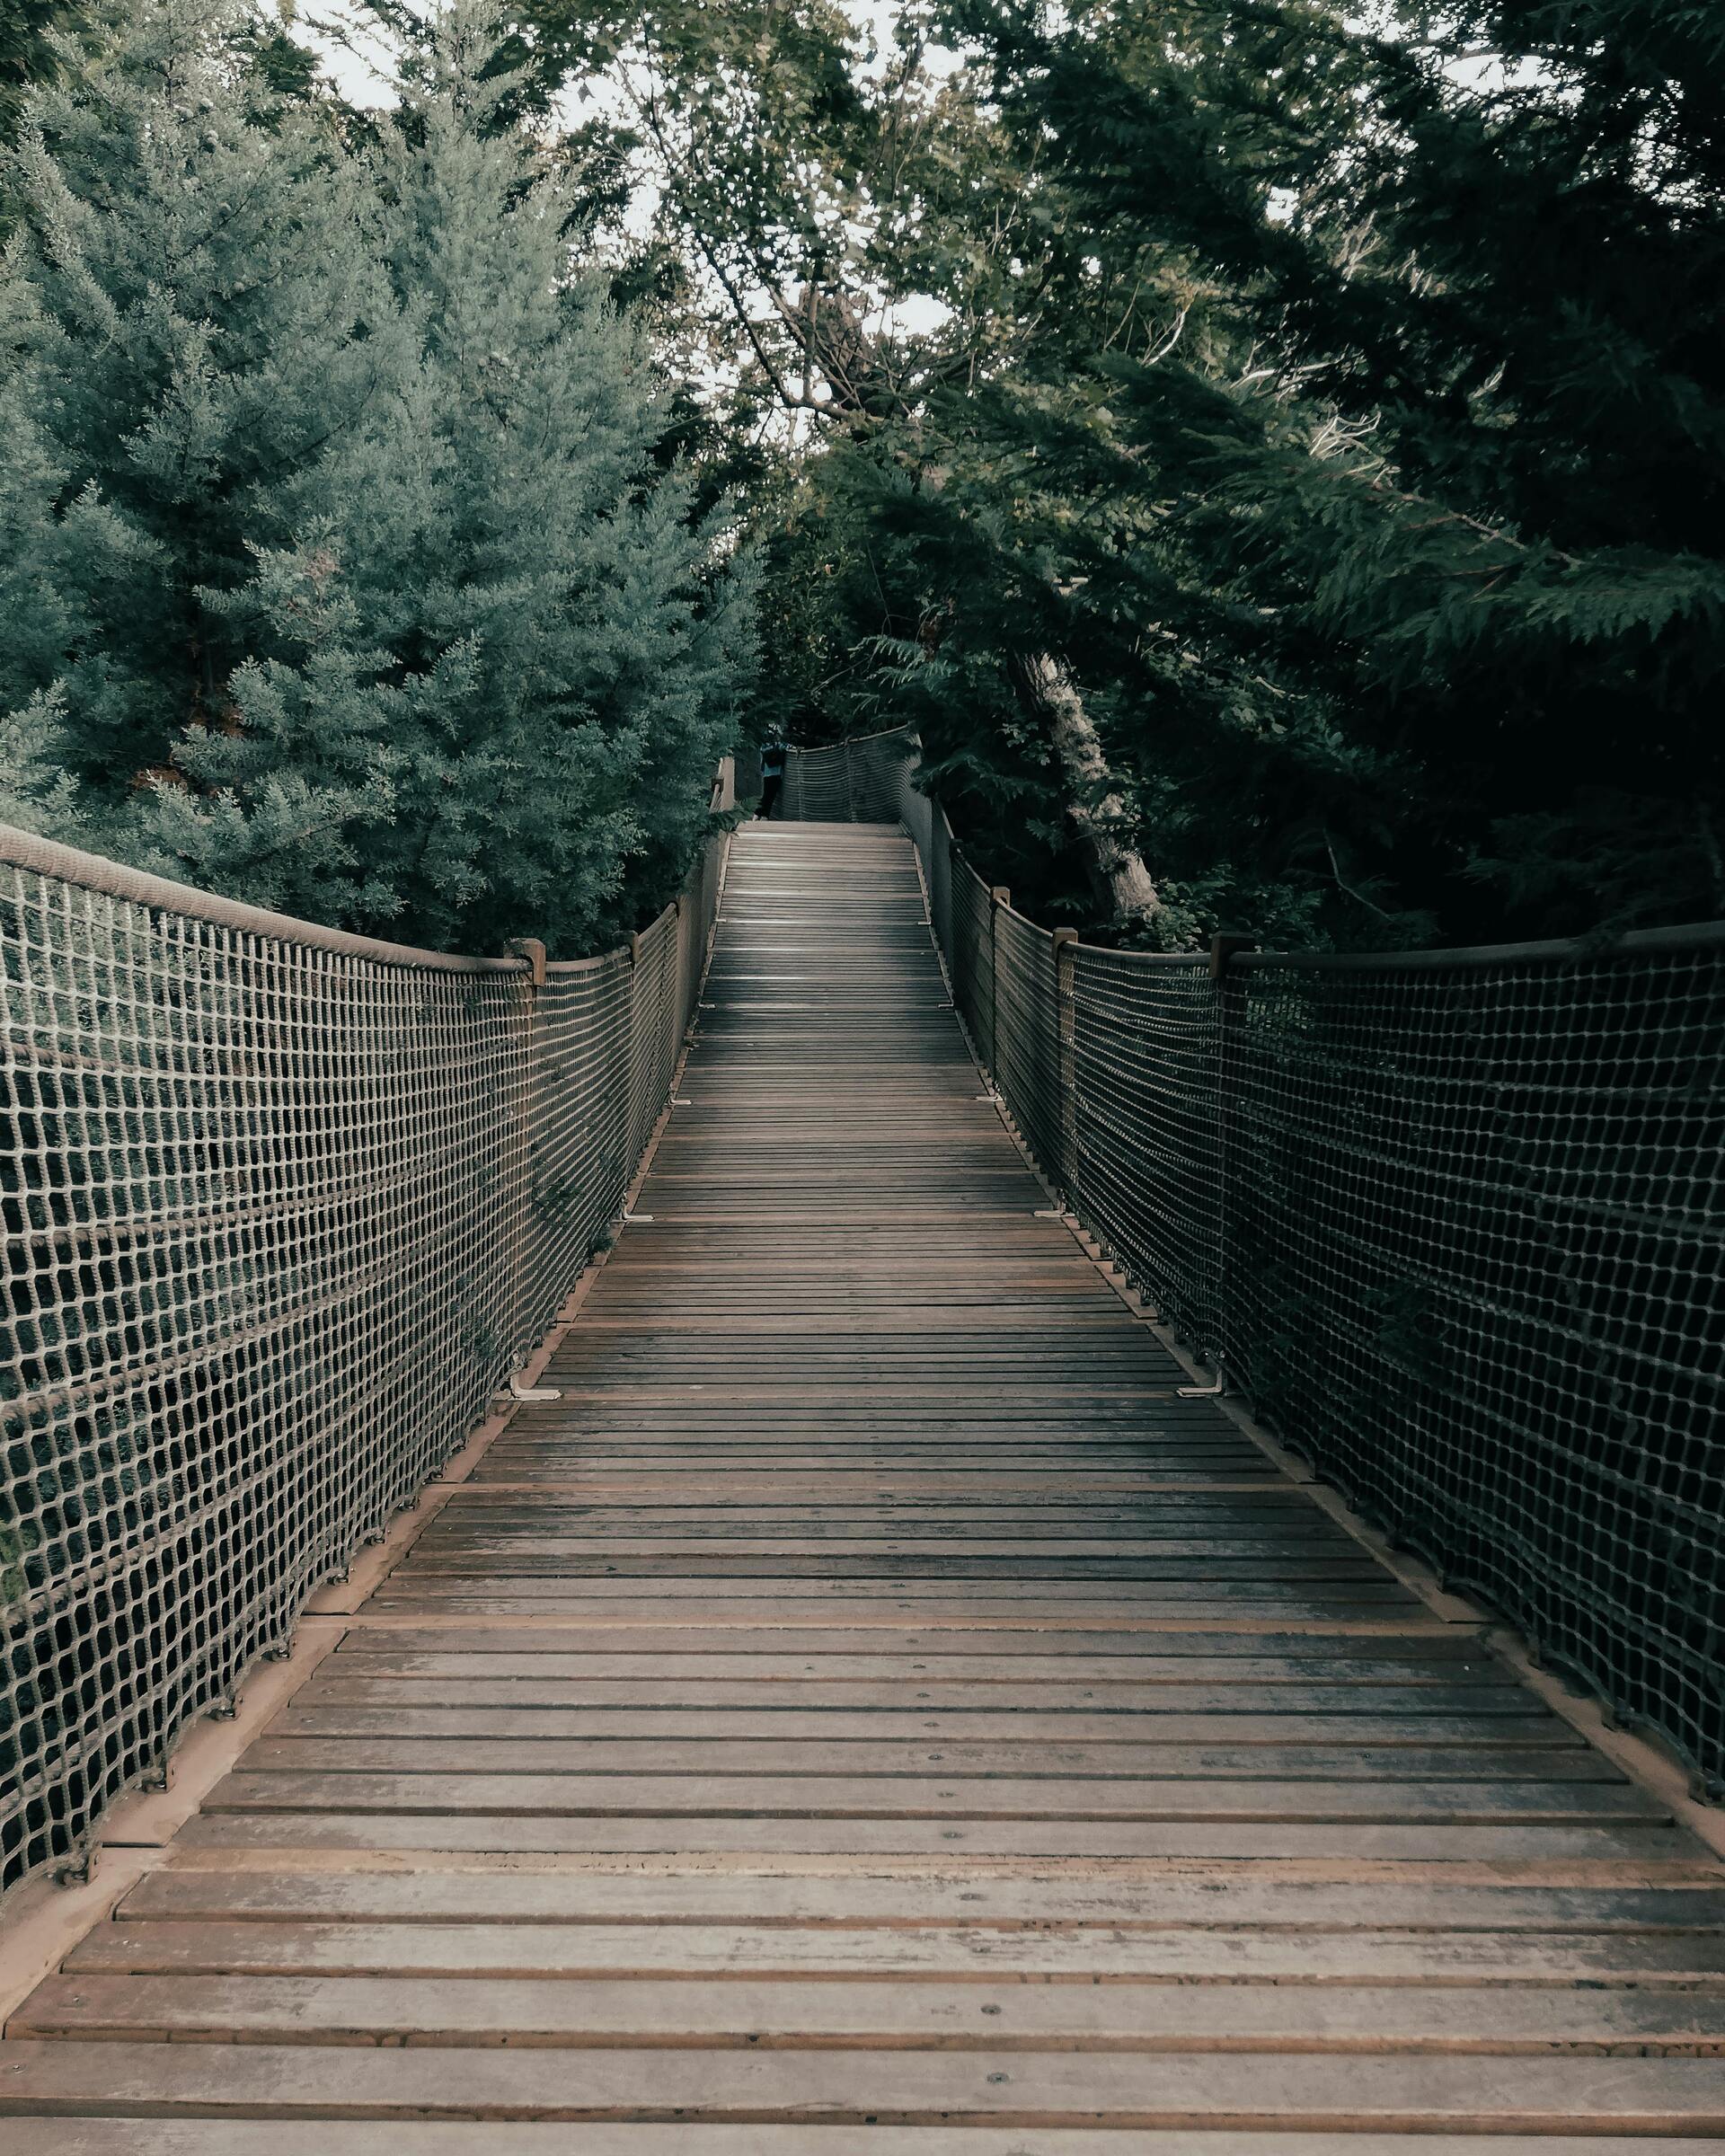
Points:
[[1322, 404], [1473, 256], [342, 574]]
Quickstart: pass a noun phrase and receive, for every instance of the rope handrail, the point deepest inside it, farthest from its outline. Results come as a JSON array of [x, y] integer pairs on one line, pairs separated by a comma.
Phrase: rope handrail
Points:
[[95, 872], [1452, 1222], [852, 741]]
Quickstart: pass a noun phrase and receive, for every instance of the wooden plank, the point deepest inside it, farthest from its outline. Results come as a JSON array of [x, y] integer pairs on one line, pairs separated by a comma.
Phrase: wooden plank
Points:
[[764, 1598], [1025, 1755], [956, 1796], [1336, 2094], [1085, 1954], [1225, 1903], [699, 1835], [1411, 1655], [757, 1704], [62, 2134], [837, 2015], [1008, 1720]]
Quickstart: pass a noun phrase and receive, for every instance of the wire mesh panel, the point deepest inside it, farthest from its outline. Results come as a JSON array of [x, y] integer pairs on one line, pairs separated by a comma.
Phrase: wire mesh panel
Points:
[[817, 786], [653, 1028], [904, 804], [746, 782], [857, 781], [582, 1157], [937, 874], [876, 766], [969, 957], [283, 1209], [697, 909]]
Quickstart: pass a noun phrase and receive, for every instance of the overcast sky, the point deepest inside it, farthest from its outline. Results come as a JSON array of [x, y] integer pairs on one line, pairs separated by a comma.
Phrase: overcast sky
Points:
[[361, 80]]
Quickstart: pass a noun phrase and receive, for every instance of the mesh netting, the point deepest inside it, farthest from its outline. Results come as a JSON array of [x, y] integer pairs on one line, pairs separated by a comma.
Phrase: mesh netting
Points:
[[1147, 1156], [852, 782], [1451, 1220], [1472, 1248], [283, 1209]]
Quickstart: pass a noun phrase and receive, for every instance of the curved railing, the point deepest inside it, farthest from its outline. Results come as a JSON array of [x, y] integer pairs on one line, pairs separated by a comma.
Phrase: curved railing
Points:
[[850, 782], [285, 1207], [1450, 1220]]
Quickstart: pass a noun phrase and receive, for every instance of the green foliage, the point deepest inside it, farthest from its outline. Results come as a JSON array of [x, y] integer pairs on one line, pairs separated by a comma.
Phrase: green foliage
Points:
[[361, 583], [33, 36], [1476, 259], [187, 320], [1337, 402]]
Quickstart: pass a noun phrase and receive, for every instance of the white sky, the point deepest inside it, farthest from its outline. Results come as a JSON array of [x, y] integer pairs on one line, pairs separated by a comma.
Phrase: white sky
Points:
[[361, 75], [332, 26], [357, 57]]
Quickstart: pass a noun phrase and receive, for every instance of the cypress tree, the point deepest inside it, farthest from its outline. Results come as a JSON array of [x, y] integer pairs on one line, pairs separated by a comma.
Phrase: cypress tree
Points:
[[386, 611], [186, 313]]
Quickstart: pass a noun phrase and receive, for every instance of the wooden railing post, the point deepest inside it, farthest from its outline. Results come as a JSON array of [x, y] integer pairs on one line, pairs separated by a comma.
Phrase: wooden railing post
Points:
[[1066, 1020], [1229, 983], [998, 896], [533, 952]]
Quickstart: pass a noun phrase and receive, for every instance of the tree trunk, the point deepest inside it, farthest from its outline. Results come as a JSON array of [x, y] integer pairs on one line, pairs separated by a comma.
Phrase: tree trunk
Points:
[[1114, 865]]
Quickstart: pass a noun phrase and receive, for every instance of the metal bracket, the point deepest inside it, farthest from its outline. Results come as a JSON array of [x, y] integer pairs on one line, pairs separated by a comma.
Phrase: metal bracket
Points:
[[1213, 1392], [634, 1219], [518, 1391]]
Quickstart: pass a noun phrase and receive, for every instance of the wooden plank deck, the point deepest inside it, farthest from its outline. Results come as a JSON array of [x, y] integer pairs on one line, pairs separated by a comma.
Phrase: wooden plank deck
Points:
[[872, 1712]]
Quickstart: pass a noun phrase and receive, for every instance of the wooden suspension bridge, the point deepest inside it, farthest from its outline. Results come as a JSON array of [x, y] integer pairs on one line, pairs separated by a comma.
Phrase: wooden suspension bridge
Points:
[[873, 1710]]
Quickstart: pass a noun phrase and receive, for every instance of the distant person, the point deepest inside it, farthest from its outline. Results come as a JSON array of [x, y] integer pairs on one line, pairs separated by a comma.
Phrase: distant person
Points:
[[772, 776]]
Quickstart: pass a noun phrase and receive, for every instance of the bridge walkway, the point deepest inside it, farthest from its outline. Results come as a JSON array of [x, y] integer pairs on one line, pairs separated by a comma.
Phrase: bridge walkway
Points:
[[872, 1711]]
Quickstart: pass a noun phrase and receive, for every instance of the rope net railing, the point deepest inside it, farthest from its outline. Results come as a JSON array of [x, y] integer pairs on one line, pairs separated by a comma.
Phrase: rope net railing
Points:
[[285, 1208], [1450, 1221], [850, 782]]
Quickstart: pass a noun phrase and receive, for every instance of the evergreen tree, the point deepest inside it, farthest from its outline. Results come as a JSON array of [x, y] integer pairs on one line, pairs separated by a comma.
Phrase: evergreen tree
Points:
[[974, 541], [30, 32], [187, 318], [1325, 412], [371, 597], [501, 659], [1479, 254]]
